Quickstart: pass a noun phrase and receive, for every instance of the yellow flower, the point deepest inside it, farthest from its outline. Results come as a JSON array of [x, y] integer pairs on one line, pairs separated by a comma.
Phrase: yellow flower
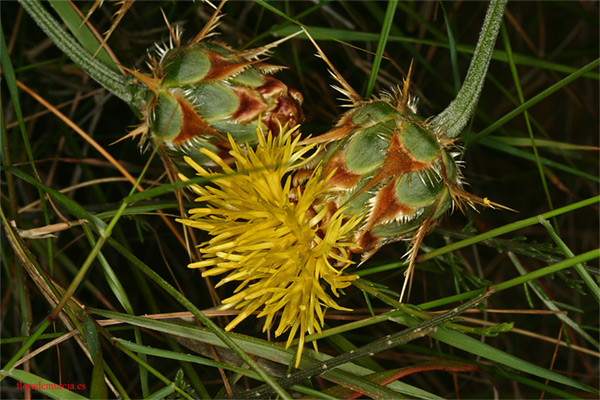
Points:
[[267, 236]]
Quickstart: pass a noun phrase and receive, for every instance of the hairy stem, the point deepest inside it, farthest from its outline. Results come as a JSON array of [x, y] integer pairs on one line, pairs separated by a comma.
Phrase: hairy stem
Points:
[[109, 79], [455, 117]]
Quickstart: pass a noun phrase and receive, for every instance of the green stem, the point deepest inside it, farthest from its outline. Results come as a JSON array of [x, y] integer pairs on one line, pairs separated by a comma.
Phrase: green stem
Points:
[[455, 117], [109, 79], [570, 262], [387, 342], [544, 298], [507, 228], [585, 276]]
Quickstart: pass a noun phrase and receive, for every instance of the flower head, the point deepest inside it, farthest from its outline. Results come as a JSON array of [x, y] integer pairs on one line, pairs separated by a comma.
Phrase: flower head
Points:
[[267, 236]]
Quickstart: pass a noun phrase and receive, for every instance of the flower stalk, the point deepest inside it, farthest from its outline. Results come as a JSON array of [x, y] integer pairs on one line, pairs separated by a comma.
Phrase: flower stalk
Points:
[[455, 117], [115, 83]]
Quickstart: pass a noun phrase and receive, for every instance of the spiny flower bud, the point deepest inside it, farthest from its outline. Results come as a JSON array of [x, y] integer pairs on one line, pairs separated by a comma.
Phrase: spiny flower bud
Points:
[[202, 91]]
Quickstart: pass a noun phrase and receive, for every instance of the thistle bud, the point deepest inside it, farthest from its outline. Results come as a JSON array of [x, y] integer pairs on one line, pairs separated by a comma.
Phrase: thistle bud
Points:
[[205, 90]]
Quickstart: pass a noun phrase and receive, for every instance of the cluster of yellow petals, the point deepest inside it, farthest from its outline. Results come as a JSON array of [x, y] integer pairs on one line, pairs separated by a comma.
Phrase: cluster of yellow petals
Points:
[[266, 237]]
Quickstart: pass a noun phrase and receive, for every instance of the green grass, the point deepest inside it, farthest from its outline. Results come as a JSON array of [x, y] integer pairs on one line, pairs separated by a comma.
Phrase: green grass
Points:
[[532, 146]]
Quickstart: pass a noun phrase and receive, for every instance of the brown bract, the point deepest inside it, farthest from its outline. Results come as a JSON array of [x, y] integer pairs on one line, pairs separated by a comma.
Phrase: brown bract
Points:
[[192, 124]]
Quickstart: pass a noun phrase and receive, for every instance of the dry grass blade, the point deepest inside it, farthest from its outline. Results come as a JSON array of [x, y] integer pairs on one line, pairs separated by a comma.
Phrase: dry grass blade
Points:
[[80, 132], [101, 150]]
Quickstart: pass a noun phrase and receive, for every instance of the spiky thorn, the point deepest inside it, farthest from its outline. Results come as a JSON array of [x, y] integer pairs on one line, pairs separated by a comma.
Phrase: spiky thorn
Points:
[[141, 129], [338, 132], [461, 198], [404, 99], [125, 5], [97, 3], [253, 54], [152, 83], [174, 32], [209, 3], [210, 25], [413, 250], [269, 69], [352, 97], [447, 143]]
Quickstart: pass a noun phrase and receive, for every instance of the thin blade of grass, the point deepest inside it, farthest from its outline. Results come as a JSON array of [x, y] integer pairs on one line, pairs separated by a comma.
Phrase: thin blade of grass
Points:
[[501, 146], [341, 35], [474, 346], [589, 281], [513, 69], [507, 228], [534, 100], [553, 144], [419, 329], [143, 364], [581, 258], [121, 294], [224, 337], [543, 296], [453, 52], [172, 355], [382, 41], [72, 206]]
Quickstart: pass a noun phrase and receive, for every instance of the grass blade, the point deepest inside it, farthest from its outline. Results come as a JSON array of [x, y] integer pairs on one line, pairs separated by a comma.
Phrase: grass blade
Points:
[[534, 100], [383, 38]]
